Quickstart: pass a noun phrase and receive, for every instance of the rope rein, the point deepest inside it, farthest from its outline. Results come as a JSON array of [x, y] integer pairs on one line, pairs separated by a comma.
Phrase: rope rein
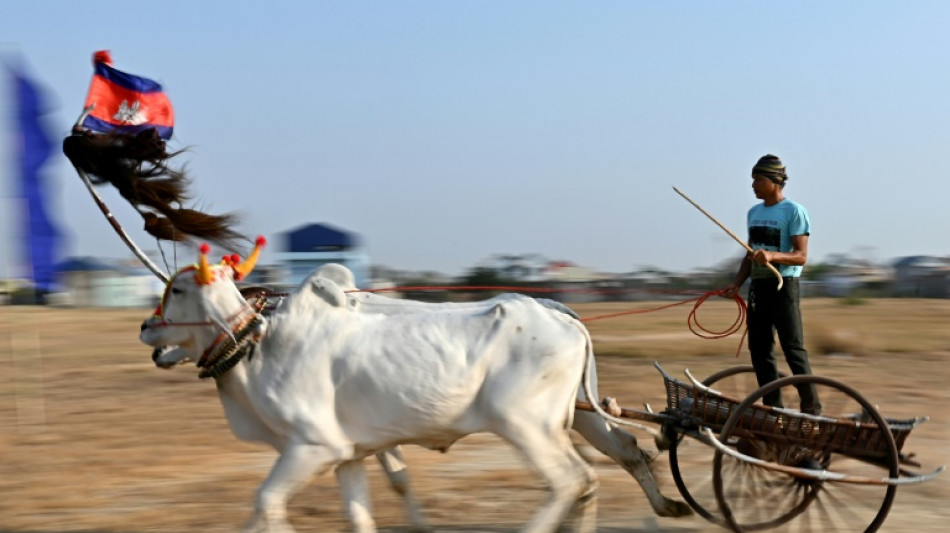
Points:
[[692, 320]]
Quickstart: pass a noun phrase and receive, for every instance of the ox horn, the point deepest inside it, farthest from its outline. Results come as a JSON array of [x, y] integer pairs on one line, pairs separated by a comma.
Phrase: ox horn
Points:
[[241, 270], [203, 274]]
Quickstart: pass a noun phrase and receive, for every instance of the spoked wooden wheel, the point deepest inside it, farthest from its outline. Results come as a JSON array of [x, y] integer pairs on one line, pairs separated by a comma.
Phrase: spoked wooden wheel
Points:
[[691, 461], [753, 498]]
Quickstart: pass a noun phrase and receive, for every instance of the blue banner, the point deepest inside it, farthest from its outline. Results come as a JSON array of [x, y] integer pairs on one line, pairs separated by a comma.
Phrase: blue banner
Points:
[[39, 237]]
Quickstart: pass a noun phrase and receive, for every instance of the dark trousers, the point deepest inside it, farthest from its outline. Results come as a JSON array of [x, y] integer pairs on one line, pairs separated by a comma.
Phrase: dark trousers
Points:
[[772, 312]]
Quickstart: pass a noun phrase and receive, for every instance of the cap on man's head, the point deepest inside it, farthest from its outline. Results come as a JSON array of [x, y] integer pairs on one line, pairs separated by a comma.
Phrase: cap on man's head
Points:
[[772, 168]]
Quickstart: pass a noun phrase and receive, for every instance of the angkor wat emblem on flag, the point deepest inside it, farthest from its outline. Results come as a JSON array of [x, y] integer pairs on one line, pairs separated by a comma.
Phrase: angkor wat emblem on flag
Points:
[[130, 115]]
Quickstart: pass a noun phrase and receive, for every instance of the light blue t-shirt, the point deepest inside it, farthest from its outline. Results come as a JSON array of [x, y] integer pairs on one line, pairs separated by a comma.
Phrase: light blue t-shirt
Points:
[[772, 228]]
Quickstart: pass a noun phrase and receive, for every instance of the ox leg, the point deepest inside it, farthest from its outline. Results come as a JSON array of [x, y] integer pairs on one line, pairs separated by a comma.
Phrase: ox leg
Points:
[[571, 481], [398, 475], [622, 448], [357, 504], [296, 464], [583, 515]]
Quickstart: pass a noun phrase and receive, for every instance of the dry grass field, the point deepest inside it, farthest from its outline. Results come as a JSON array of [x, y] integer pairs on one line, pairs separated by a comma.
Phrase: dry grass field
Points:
[[94, 438]]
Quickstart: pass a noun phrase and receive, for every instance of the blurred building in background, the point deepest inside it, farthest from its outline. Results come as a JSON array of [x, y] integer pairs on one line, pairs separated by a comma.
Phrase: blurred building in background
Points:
[[311, 246], [91, 282], [922, 276], [96, 282]]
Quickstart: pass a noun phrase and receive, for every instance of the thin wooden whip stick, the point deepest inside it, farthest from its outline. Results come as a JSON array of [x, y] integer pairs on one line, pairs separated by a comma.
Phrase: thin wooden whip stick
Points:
[[733, 235]]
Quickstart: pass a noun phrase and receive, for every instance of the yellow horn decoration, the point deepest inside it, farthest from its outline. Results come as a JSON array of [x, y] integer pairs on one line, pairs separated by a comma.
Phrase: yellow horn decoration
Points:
[[203, 274], [241, 270]]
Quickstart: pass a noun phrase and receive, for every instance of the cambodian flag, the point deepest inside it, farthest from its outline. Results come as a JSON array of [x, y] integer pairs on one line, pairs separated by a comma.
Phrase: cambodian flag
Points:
[[126, 103]]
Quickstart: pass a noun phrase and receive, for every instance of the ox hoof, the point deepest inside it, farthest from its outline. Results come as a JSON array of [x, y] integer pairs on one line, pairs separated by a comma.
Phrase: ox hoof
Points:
[[674, 509]]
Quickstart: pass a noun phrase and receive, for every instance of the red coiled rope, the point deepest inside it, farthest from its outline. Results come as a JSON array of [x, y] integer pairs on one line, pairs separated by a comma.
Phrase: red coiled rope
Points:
[[694, 323]]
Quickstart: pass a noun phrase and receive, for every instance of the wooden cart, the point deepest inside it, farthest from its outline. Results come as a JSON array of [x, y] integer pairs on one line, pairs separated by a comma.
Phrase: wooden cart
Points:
[[750, 467]]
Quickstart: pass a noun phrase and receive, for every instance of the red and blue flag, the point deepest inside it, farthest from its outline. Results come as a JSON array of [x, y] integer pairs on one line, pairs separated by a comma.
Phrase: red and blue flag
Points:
[[126, 103]]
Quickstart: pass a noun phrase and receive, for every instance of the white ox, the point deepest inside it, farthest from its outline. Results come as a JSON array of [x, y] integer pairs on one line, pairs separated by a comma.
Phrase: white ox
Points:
[[327, 386], [607, 438]]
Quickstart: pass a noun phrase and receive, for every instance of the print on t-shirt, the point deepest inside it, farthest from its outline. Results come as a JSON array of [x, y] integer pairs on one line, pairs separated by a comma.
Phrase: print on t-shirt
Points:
[[763, 236]]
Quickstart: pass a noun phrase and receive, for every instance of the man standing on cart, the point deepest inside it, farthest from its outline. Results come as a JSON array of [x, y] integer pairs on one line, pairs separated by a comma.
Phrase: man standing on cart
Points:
[[778, 234]]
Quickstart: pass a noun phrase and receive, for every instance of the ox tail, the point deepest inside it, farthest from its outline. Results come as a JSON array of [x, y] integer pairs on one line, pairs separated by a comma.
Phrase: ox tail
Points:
[[592, 394]]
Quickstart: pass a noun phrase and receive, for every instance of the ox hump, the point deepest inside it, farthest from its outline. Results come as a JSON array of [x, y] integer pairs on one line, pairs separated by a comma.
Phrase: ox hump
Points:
[[339, 274]]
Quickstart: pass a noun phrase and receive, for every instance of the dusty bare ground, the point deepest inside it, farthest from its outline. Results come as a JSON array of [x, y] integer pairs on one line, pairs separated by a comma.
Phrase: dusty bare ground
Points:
[[93, 438]]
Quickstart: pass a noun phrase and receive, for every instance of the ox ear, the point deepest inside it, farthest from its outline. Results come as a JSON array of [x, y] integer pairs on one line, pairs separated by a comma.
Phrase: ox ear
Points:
[[329, 291]]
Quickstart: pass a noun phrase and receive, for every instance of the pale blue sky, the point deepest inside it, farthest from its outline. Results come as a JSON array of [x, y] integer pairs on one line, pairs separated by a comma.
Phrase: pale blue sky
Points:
[[444, 132]]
